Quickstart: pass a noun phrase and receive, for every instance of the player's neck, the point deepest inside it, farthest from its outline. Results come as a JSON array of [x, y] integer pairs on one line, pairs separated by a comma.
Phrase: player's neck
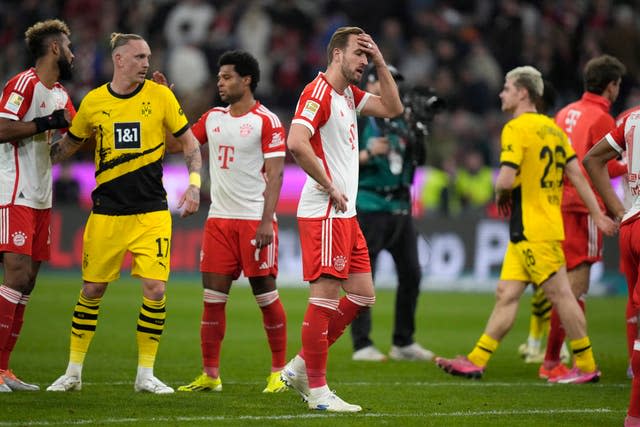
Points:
[[47, 73], [242, 106], [123, 86], [334, 76], [524, 108]]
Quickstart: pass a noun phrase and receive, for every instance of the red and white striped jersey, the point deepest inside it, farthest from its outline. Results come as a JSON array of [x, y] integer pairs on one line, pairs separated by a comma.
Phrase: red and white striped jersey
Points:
[[238, 147], [625, 139], [332, 119], [25, 166]]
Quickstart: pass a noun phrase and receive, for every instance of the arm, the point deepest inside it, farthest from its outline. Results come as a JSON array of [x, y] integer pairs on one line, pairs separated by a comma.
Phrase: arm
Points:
[[274, 168], [299, 145], [388, 104], [595, 163], [12, 130], [191, 149], [604, 223], [376, 146], [504, 183], [64, 148]]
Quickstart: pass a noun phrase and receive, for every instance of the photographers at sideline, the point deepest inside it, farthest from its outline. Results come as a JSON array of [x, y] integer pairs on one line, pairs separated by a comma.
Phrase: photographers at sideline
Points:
[[389, 154]]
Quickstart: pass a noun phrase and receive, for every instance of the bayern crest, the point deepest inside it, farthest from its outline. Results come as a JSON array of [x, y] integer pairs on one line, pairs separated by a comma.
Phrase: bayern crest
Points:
[[245, 129], [339, 262]]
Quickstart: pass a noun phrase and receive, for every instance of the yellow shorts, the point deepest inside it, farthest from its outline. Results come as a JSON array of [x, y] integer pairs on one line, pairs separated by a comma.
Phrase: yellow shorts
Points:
[[532, 262], [107, 238]]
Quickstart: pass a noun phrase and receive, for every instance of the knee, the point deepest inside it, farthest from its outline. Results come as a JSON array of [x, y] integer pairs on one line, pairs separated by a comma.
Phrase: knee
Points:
[[93, 290], [362, 300], [154, 289], [22, 281]]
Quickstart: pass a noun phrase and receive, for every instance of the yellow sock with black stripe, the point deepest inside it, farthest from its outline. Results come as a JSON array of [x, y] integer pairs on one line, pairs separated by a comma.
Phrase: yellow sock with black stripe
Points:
[[583, 354], [150, 327], [83, 327], [482, 352]]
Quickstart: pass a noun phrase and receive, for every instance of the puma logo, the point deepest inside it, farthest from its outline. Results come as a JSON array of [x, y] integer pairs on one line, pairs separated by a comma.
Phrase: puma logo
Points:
[[107, 113], [77, 334], [154, 339]]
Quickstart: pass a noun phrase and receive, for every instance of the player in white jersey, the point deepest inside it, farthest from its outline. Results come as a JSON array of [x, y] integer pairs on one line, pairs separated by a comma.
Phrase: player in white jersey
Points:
[[33, 103], [324, 141], [246, 161], [624, 140]]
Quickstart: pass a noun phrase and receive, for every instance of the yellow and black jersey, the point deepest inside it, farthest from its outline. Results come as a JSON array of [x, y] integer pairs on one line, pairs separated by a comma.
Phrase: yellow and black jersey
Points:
[[539, 150], [130, 141]]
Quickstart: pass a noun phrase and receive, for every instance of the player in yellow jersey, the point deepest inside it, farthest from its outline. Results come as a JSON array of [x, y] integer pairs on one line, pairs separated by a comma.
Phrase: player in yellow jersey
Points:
[[128, 118], [535, 156]]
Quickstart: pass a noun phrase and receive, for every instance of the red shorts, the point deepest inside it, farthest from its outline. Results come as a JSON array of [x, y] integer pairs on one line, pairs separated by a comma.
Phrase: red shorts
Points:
[[332, 246], [582, 239], [629, 243], [25, 230], [229, 248]]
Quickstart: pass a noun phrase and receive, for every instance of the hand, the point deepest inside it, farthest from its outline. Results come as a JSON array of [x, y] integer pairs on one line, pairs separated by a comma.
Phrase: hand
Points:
[[368, 46], [608, 226], [338, 198], [503, 201], [264, 234], [161, 79], [190, 200], [378, 146], [59, 119]]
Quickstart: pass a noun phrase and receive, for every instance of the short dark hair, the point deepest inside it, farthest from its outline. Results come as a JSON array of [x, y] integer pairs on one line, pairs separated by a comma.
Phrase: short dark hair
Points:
[[37, 36], [600, 71], [339, 40], [245, 65]]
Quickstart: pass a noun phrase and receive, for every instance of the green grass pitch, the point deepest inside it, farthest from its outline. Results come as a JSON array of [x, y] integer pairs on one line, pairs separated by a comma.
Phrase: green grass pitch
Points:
[[391, 393]]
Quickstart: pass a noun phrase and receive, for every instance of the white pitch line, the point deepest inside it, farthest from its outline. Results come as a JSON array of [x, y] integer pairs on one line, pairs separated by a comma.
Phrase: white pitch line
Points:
[[310, 416], [468, 383]]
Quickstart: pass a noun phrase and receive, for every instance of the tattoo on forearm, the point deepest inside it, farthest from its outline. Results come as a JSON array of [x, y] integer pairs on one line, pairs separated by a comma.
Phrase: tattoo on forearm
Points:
[[193, 159], [63, 149]]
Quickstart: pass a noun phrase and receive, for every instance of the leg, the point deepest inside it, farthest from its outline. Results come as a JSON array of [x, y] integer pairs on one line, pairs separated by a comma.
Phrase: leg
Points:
[[374, 226], [274, 321], [404, 249], [500, 322], [558, 291]]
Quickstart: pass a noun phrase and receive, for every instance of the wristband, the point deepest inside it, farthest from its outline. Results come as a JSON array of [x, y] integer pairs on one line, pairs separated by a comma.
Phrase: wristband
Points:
[[194, 179]]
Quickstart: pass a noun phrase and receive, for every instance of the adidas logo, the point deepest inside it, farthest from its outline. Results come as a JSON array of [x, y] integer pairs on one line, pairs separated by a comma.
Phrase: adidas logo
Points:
[[263, 266]]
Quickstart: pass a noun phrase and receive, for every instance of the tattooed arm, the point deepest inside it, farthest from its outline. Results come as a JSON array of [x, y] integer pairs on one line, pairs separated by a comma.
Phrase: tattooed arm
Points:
[[64, 148], [191, 149]]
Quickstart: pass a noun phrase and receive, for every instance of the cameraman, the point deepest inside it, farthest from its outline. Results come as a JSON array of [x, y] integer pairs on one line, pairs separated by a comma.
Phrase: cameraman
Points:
[[388, 158]]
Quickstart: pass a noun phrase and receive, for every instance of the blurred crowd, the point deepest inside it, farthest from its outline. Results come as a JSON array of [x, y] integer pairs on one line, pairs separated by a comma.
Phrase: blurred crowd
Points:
[[459, 48]]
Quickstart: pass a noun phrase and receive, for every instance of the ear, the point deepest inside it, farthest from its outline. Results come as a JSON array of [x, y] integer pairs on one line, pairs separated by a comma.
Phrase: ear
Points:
[[55, 47]]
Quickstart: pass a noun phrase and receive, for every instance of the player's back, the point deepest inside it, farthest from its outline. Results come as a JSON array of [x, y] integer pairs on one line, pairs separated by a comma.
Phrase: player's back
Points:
[[538, 147]]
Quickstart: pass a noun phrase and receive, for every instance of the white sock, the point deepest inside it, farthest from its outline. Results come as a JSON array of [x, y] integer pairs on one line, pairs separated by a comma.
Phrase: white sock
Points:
[[144, 372], [74, 369]]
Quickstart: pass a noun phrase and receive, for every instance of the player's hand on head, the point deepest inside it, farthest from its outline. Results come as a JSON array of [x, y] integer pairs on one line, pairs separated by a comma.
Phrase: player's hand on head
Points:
[[366, 44]]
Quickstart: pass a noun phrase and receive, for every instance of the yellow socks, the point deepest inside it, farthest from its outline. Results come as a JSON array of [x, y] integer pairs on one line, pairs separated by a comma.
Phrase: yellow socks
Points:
[[483, 351], [150, 327], [83, 327]]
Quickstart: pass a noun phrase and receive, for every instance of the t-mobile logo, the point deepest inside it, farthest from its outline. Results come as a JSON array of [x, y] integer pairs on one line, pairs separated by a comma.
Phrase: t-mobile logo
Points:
[[225, 155], [571, 120]]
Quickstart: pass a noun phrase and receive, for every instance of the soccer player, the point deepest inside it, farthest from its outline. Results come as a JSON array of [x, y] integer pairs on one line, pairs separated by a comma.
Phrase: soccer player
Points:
[[128, 118], [33, 104], [323, 139], [623, 140], [246, 162], [585, 122], [535, 156]]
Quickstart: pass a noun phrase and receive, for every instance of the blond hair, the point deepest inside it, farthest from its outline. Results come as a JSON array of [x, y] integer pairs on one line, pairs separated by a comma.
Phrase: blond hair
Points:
[[340, 38], [120, 39], [529, 78], [37, 36]]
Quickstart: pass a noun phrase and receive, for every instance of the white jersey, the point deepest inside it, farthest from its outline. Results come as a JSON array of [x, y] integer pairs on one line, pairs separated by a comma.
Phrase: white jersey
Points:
[[238, 147], [332, 119], [25, 166], [625, 139]]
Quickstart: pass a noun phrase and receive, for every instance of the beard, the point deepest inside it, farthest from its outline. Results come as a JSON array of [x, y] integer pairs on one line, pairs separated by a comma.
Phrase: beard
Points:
[[349, 76], [64, 68]]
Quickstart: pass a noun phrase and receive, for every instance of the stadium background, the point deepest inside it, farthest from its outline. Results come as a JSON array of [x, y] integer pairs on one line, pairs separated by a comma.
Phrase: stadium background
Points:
[[459, 48]]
